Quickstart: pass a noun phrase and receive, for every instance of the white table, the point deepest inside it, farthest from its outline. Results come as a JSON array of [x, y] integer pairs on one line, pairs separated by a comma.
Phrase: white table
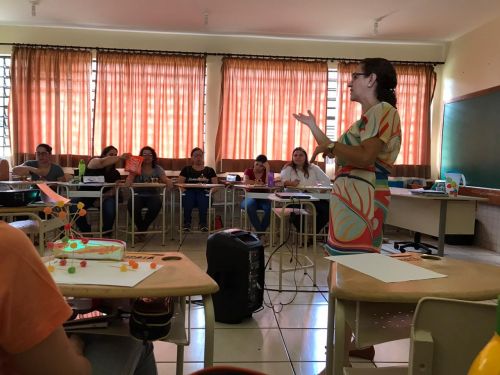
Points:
[[432, 215], [211, 188], [281, 211]]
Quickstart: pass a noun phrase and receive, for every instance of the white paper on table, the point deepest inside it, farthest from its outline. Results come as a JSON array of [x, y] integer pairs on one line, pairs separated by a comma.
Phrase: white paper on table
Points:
[[99, 272], [385, 268]]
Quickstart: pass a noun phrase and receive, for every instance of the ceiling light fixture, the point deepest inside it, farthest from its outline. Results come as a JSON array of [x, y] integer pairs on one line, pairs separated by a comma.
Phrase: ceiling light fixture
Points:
[[376, 21], [34, 3], [205, 18]]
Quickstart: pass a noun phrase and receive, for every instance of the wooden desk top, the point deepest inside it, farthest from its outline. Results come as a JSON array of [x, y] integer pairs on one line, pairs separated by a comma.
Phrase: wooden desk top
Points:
[[22, 209], [402, 192], [466, 280], [198, 186], [177, 277], [263, 188]]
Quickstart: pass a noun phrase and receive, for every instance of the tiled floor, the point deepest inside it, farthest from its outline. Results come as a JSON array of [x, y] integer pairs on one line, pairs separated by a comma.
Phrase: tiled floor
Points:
[[288, 335]]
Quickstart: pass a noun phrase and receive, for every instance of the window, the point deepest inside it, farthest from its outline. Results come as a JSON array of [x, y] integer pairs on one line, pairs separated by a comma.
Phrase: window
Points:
[[4, 106], [331, 105]]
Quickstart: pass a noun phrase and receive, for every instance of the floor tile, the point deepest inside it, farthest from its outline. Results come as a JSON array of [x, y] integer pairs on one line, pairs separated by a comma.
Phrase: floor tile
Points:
[[308, 368], [303, 316], [263, 318], [249, 345], [303, 296], [305, 344]]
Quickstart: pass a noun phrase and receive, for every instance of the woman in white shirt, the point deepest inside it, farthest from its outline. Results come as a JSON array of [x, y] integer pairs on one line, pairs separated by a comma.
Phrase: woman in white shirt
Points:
[[298, 174]]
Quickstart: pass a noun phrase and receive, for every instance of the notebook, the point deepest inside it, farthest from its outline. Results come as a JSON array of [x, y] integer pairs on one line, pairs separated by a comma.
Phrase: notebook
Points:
[[292, 195]]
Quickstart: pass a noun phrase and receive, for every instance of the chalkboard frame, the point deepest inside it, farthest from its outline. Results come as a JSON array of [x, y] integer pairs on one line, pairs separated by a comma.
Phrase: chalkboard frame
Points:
[[471, 129]]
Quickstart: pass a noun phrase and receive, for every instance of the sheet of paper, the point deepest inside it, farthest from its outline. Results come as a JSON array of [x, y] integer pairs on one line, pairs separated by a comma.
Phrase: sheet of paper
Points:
[[99, 272], [385, 268], [50, 196]]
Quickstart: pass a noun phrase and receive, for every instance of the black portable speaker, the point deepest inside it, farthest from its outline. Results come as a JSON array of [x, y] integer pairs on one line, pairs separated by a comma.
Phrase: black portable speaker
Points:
[[236, 262]]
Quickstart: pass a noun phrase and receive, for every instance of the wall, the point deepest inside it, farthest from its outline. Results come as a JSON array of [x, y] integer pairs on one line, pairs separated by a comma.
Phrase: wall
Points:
[[218, 44], [473, 64]]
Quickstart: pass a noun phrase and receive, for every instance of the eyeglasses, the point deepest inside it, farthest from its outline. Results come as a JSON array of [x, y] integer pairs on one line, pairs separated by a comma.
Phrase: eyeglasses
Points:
[[42, 153], [147, 154], [357, 74]]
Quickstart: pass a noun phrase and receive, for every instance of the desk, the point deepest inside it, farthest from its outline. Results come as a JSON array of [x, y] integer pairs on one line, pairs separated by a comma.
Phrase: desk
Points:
[[138, 186], [466, 280], [177, 278], [72, 191], [211, 188], [435, 216], [255, 192], [32, 211], [281, 213]]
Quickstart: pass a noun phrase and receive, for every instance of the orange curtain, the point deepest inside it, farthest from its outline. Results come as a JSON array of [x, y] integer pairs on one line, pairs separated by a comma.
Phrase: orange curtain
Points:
[[257, 101], [50, 101], [414, 93], [153, 100]]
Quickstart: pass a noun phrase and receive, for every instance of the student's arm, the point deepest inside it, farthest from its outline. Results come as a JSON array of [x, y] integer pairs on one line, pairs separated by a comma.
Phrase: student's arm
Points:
[[55, 355], [286, 178], [24, 170], [165, 180], [247, 180], [98, 163]]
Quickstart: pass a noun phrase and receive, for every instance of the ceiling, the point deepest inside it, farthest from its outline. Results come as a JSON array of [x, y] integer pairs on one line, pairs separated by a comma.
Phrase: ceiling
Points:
[[399, 20]]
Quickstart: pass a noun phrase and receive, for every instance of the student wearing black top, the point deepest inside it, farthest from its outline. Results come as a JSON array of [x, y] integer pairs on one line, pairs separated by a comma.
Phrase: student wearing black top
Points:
[[105, 165], [197, 173]]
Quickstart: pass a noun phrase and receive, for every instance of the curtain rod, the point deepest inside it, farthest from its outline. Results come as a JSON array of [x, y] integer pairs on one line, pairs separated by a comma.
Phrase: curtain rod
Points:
[[237, 55]]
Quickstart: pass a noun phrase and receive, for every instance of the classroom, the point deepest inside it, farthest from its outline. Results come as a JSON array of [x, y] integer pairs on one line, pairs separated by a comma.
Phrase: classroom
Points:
[[289, 334]]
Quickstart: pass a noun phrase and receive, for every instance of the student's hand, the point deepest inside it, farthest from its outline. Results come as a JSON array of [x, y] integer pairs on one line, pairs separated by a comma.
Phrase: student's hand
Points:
[[308, 119], [292, 183], [267, 166], [125, 156]]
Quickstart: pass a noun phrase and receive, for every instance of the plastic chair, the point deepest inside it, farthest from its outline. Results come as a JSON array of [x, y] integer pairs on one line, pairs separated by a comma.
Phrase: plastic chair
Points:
[[446, 335]]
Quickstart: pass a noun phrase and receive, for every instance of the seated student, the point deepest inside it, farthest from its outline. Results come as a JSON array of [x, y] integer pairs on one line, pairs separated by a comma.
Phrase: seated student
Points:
[[257, 176], [32, 311], [148, 198], [42, 168], [4, 170], [300, 173], [191, 198], [104, 165]]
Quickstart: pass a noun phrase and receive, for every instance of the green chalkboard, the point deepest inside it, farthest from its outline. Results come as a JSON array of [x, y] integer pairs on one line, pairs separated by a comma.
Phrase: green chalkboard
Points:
[[471, 138]]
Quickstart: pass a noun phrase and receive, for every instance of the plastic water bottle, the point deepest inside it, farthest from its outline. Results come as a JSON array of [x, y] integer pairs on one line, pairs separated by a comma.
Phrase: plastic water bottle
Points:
[[81, 170], [270, 179]]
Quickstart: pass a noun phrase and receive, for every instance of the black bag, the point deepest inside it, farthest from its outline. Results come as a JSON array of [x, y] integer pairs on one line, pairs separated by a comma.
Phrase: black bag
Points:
[[150, 318]]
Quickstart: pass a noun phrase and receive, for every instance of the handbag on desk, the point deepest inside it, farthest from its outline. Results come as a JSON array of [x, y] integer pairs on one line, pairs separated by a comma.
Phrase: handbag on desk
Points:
[[150, 318]]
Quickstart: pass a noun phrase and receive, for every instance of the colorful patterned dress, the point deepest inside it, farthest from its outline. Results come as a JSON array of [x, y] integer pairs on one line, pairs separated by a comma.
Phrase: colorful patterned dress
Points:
[[361, 196]]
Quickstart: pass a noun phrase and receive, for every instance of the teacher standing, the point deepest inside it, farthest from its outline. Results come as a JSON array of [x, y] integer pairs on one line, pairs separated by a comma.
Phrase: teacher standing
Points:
[[365, 154]]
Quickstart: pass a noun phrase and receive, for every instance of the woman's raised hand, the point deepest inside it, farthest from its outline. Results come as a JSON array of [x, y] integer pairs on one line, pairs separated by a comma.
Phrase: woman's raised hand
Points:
[[308, 119]]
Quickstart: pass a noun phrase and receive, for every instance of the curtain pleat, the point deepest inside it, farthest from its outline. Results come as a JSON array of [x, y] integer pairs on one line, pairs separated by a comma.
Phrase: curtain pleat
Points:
[[152, 100], [50, 101], [258, 98]]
